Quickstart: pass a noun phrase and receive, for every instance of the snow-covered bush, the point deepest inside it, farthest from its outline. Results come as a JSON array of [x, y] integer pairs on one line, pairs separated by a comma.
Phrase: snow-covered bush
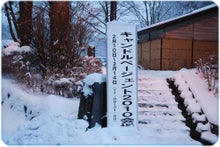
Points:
[[68, 81], [17, 60], [26, 66], [208, 66], [64, 86]]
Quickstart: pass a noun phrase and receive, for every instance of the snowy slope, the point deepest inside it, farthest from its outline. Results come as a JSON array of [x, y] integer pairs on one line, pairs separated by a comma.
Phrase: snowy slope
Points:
[[200, 103], [30, 119], [207, 100], [37, 119]]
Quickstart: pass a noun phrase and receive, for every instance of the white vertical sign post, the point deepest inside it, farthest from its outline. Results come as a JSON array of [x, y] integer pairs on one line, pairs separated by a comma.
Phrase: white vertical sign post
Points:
[[121, 75]]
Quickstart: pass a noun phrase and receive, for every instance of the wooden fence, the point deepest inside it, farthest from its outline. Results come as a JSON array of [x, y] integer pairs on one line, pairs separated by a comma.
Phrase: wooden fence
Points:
[[173, 54]]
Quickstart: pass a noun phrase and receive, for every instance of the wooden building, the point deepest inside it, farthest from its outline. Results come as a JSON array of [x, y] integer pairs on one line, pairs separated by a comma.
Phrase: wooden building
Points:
[[177, 43]]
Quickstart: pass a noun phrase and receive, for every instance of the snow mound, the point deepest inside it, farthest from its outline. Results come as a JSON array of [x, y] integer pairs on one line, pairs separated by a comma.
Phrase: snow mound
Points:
[[90, 80], [14, 47], [198, 118], [209, 136], [11, 43], [94, 78], [207, 100], [29, 119], [202, 127], [52, 120]]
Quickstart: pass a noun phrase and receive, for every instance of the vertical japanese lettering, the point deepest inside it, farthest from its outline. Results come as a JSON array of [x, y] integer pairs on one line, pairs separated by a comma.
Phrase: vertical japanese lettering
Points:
[[121, 75]]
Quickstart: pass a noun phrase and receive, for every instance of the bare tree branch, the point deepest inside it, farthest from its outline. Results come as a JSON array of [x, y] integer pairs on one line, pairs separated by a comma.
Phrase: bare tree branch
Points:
[[14, 20], [7, 13]]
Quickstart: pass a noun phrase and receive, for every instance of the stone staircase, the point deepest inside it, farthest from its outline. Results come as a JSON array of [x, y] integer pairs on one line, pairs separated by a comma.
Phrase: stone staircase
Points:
[[159, 114]]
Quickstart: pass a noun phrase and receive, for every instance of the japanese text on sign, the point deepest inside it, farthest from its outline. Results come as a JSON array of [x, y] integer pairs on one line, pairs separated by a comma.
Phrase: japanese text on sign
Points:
[[122, 87]]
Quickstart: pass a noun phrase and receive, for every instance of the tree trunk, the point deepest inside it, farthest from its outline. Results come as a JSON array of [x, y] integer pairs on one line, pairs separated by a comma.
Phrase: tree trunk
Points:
[[25, 22], [113, 10], [106, 12], [59, 32]]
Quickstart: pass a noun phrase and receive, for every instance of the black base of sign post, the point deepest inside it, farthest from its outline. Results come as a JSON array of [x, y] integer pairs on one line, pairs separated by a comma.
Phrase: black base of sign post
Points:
[[94, 108]]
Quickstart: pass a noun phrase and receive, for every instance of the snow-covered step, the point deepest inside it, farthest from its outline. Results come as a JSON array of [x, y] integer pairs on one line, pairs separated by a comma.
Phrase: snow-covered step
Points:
[[161, 115], [208, 136], [166, 125], [158, 107], [158, 112], [153, 100]]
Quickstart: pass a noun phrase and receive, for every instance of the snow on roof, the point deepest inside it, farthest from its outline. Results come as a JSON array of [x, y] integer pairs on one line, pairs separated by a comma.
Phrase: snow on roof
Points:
[[180, 17]]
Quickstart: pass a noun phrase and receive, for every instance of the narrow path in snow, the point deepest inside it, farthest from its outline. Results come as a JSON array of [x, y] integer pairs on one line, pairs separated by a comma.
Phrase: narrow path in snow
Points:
[[159, 114]]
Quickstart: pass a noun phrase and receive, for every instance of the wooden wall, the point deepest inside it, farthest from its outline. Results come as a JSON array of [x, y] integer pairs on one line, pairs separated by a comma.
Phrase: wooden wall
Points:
[[202, 49], [176, 54], [206, 28], [179, 45], [155, 55], [201, 28], [149, 54], [144, 55], [181, 30], [139, 52]]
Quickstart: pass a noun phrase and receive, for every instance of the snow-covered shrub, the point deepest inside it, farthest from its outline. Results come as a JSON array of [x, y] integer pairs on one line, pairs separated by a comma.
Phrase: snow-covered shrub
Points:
[[67, 82], [16, 60], [208, 66], [27, 67], [64, 86]]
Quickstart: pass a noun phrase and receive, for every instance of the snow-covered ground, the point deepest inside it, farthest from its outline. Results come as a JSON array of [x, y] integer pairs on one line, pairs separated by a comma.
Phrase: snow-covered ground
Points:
[[33, 119]]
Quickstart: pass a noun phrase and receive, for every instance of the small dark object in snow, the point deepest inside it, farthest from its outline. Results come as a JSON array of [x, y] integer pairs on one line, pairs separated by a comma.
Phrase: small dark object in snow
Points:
[[25, 109], [9, 95], [93, 108]]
